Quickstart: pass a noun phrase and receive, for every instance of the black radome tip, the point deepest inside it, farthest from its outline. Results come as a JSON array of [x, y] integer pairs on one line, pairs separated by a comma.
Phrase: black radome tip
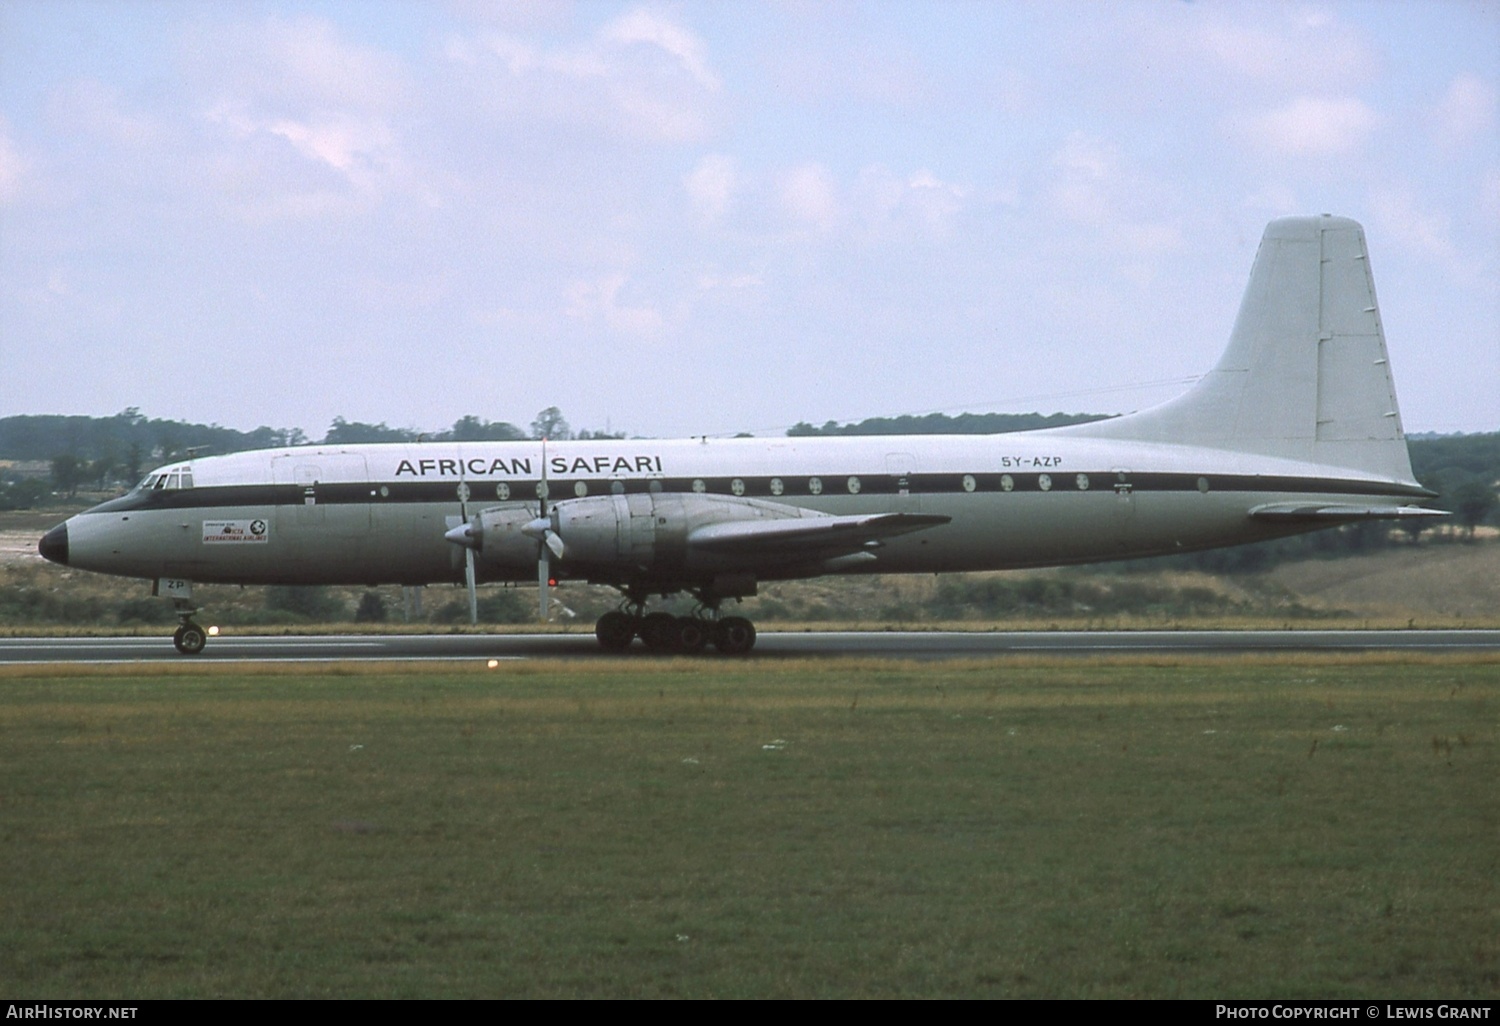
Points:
[[54, 545]]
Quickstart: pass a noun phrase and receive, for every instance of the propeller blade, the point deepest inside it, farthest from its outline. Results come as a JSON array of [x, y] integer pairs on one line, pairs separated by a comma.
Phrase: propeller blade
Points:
[[468, 540], [541, 492], [473, 592], [541, 581], [547, 539]]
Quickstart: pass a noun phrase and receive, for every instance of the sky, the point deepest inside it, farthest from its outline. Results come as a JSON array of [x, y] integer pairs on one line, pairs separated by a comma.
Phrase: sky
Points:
[[674, 219]]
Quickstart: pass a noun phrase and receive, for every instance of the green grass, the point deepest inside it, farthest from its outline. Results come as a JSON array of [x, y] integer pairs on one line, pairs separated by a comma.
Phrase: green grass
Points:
[[1167, 828]]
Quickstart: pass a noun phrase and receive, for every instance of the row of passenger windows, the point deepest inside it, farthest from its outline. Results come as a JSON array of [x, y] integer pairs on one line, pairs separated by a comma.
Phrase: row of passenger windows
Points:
[[813, 485], [182, 478]]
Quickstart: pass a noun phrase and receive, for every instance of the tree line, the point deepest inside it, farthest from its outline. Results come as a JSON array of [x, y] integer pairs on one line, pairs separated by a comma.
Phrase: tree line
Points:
[[100, 453]]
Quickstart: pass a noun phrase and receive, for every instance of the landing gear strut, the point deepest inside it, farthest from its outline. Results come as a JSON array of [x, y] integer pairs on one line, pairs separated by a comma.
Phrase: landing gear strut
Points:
[[663, 632]]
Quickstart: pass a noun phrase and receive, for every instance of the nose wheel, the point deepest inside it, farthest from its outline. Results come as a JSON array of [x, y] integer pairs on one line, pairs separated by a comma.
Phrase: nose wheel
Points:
[[190, 638]]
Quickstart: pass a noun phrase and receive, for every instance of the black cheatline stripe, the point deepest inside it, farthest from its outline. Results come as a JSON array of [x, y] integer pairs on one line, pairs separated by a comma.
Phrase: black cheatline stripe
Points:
[[791, 489]]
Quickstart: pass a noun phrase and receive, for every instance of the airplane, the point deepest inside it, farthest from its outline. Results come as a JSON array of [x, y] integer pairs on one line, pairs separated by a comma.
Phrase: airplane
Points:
[[1296, 428]]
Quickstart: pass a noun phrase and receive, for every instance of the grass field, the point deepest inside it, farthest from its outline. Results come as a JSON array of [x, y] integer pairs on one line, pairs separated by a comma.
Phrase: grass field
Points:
[[1158, 828]]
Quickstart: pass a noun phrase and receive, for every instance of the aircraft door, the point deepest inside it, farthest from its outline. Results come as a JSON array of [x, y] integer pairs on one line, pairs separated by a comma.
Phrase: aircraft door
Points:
[[1124, 504], [332, 492], [902, 469]]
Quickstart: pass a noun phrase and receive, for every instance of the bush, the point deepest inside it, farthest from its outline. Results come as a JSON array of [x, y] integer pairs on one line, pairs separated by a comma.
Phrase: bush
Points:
[[371, 608], [311, 603]]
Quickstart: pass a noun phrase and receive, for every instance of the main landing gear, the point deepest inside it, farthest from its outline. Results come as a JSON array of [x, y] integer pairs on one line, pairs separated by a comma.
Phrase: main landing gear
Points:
[[663, 632]]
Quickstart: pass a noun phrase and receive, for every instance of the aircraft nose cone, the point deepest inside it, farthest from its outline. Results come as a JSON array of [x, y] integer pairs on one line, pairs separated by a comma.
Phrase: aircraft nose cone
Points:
[[54, 545]]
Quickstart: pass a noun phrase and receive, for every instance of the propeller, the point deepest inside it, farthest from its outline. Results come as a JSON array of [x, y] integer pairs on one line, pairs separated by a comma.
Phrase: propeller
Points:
[[468, 543], [549, 542]]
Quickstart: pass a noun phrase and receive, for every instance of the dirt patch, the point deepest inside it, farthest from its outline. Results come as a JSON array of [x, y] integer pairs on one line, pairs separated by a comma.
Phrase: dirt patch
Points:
[[19, 546], [1459, 580]]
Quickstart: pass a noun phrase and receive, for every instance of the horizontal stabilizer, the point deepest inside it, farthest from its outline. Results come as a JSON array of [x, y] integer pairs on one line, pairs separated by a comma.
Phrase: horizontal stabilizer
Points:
[[808, 534], [1335, 513]]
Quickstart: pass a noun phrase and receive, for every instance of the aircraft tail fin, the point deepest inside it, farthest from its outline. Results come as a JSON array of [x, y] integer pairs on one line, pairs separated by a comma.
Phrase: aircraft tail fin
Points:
[[1306, 375]]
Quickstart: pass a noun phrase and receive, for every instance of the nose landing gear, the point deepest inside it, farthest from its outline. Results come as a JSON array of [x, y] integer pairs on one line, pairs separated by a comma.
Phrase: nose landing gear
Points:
[[190, 638]]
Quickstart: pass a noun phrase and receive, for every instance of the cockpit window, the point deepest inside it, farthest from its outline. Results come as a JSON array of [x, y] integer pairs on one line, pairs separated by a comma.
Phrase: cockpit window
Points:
[[168, 481]]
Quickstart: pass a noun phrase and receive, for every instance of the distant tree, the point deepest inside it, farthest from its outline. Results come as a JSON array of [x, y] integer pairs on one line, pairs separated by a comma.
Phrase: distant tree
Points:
[[550, 423], [1473, 501], [371, 608], [67, 473], [1476, 454], [942, 424], [132, 465], [99, 470], [39, 437], [349, 432], [308, 602], [25, 493], [474, 429], [1414, 526], [505, 606]]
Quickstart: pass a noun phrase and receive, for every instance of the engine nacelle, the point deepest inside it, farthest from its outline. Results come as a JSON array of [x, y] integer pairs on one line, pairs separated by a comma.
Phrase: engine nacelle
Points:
[[612, 535]]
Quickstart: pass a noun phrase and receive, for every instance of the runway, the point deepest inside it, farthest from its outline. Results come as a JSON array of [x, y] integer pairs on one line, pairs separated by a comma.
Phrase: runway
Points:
[[925, 645]]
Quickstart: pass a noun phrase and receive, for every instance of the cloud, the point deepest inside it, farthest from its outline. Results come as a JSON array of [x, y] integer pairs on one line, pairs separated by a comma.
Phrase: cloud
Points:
[[710, 282], [640, 27], [296, 65], [810, 195], [599, 300], [1299, 48], [92, 108], [1312, 126], [711, 185], [12, 167], [1402, 221], [1083, 187], [640, 75], [299, 122], [1095, 186], [1489, 196], [920, 203], [1466, 112], [345, 145]]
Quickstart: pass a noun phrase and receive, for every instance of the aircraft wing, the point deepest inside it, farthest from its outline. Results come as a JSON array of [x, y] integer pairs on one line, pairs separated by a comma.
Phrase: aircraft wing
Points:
[[808, 536], [1338, 513]]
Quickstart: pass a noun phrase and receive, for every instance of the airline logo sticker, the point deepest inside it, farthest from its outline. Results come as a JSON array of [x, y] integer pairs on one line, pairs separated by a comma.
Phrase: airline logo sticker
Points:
[[235, 532]]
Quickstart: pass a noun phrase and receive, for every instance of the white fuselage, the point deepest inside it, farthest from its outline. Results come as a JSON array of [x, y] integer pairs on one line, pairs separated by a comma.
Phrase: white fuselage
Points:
[[377, 514]]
